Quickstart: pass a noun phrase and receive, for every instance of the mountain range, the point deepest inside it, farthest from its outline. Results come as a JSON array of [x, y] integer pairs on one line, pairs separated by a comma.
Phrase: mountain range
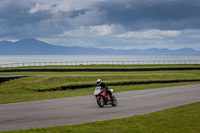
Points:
[[33, 46]]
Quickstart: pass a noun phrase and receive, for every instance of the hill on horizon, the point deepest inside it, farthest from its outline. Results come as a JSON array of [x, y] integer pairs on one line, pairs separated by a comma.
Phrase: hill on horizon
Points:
[[33, 46]]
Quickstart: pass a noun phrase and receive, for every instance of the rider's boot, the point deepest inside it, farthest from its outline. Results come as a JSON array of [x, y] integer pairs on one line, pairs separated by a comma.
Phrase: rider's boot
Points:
[[111, 99], [110, 94]]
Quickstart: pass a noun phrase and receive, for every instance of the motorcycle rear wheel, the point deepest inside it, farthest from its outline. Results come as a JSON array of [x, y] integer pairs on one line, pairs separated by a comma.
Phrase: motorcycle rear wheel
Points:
[[114, 102], [100, 102]]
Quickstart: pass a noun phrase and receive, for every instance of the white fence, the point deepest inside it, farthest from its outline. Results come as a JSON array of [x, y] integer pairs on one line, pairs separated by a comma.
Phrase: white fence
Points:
[[100, 63]]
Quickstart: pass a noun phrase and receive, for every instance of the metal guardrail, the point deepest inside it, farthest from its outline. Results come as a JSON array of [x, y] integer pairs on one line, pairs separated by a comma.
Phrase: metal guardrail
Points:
[[100, 63]]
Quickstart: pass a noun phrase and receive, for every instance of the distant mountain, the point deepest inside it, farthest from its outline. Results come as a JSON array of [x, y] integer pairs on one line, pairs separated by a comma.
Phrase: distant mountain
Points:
[[35, 47]]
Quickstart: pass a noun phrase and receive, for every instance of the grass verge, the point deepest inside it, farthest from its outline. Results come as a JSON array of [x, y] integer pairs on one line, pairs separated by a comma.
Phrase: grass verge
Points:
[[74, 78], [106, 66], [183, 119], [24, 89], [23, 95]]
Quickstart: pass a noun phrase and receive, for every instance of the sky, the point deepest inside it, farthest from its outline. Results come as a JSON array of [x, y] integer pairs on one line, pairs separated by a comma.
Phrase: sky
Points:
[[116, 24]]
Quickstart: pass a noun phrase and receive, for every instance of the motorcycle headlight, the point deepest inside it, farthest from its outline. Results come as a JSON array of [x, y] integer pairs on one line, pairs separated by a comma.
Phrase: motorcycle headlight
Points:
[[96, 92]]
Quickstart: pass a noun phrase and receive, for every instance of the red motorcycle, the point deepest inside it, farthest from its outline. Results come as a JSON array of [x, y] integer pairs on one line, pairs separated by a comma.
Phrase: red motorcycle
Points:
[[103, 98]]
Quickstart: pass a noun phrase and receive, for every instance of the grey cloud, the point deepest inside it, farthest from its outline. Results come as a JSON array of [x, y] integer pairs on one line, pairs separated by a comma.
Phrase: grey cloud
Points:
[[50, 19], [89, 17], [132, 15], [149, 14], [16, 19]]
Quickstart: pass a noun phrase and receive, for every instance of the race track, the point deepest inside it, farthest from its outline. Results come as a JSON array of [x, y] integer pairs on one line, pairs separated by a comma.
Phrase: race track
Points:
[[74, 110]]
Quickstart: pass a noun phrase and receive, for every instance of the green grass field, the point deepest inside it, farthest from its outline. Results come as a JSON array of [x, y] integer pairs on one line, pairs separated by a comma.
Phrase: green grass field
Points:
[[25, 89], [105, 66], [183, 119]]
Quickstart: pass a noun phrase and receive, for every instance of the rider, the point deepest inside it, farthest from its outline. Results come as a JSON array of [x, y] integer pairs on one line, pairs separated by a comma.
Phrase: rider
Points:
[[104, 86]]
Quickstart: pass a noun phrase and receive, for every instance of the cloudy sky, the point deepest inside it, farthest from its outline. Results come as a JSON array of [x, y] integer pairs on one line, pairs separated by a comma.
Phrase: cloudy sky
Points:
[[117, 24]]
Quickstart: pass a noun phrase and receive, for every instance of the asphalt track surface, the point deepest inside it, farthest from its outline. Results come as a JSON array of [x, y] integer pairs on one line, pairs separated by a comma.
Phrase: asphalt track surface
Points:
[[75, 110]]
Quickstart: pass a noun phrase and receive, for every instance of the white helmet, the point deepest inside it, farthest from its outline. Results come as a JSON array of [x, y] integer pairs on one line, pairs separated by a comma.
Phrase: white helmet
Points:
[[99, 81]]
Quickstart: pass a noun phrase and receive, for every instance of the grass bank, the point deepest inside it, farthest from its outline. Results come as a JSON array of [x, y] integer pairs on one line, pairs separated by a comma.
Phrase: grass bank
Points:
[[183, 119], [24, 89], [24, 95], [74, 78]]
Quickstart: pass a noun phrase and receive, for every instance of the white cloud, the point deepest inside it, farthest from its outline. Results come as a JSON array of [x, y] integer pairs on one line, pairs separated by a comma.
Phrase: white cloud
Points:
[[53, 6], [39, 7], [99, 30], [106, 29], [116, 37], [192, 33], [171, 39], [150, 34]]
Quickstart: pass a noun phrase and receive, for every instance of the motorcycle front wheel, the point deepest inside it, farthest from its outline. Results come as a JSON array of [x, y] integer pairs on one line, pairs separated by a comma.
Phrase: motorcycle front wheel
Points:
[[114, 102], [100, 102]]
